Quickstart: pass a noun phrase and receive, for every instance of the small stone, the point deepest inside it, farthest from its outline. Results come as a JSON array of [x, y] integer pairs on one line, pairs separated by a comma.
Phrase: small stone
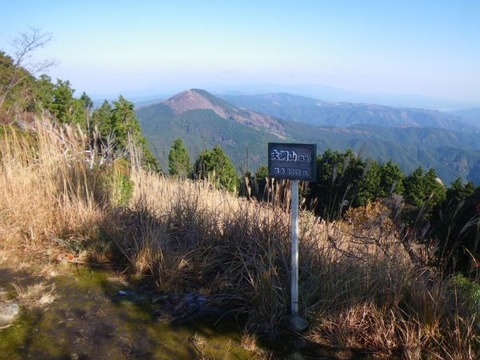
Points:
[[8, 313]]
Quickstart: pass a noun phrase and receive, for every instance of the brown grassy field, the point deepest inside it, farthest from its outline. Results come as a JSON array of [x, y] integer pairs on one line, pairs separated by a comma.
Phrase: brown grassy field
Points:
[[359, 288]]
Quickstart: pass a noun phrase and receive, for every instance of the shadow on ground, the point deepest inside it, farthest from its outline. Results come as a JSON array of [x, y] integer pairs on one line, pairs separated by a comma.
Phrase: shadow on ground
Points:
[[95, 316]]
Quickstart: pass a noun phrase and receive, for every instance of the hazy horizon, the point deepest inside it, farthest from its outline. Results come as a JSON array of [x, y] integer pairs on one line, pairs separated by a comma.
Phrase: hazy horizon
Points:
[[318, 91], [395, 51]]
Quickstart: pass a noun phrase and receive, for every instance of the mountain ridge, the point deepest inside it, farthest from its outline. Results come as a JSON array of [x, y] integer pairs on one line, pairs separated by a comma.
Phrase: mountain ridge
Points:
[[343, 114], [203, 120]]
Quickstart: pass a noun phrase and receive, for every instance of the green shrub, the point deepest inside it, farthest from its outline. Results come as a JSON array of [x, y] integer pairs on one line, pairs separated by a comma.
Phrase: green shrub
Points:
[[467, 292], [116, 188]]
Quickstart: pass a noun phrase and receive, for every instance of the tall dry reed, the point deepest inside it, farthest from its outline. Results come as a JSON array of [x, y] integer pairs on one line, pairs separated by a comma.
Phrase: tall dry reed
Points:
[[46, 185], [359, 287]]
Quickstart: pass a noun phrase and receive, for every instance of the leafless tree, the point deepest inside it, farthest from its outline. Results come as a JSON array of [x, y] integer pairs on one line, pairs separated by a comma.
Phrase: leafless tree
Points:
[[24, 65]]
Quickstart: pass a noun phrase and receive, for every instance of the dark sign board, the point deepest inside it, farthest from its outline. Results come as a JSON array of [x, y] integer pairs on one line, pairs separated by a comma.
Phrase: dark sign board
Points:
[[292, 161]]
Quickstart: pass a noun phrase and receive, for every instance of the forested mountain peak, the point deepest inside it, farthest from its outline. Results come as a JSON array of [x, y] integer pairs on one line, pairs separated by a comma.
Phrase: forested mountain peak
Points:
[[197, 99]]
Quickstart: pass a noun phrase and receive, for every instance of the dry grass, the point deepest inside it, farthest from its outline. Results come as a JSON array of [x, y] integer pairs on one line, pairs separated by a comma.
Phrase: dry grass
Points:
[[359, 287], [46, 188], [35, 296]]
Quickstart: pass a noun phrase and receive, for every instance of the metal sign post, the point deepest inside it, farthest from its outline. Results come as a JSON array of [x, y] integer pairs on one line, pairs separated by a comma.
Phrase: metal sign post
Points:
[[294, 214], [294, 162]]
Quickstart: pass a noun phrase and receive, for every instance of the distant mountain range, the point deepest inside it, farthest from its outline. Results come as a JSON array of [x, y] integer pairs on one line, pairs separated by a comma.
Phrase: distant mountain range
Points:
[[335, 94], [244, 124], [343, 114]]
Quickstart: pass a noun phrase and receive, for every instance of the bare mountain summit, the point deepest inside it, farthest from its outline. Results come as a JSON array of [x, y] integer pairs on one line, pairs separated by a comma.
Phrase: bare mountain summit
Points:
[[195, 99], [191, 100]]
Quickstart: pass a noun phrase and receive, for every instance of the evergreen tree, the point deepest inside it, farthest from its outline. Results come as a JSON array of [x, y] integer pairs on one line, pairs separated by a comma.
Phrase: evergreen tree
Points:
[[456, 224], [435, 190], [128, 134], [345, 180], [369, 184], [8, 80], [44, 94], [123, 123], [65, 107], [216, 166], [458, 192], [87, 105], [120, 122], [449, 213], [262, 172], [423, 189], [415, 190], [101, 119], [391, 180], [178, 160], [422, 194], [339, 183], [86, 101]]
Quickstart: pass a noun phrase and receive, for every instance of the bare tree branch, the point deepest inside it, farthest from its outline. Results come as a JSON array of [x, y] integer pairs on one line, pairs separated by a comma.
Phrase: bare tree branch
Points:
[[25, 45]]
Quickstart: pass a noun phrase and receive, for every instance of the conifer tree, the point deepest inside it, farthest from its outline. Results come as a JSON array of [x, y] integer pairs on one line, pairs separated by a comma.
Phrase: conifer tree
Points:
[[101, 118], [423, 188], [179, 160], [391, 180], [65, 107], [339, 183], [216, 165], [456, 223], [120, 123]]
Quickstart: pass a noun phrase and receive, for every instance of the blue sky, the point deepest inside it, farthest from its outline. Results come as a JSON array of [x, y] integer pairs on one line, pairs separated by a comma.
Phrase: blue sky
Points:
[[424, 47]]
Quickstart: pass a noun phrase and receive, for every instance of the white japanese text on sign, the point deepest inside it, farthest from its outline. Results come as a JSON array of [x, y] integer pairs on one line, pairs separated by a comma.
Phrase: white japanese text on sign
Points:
[[292, 161]]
